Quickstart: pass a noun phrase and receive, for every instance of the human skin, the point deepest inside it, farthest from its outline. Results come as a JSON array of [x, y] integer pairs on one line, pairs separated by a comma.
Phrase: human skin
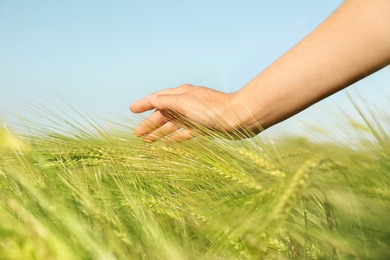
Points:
[[349, 45]]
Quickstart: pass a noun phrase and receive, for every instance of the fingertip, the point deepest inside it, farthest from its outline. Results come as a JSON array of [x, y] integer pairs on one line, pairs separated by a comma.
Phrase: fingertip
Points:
[[134, 107], [138, 133], [143, 104], [148, 139]]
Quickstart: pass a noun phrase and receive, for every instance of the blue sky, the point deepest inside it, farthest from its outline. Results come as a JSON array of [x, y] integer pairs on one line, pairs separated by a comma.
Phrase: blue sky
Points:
[[104, 55]]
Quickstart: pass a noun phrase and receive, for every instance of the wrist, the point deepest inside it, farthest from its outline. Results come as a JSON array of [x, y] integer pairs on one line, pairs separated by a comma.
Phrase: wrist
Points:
[[249, 111]]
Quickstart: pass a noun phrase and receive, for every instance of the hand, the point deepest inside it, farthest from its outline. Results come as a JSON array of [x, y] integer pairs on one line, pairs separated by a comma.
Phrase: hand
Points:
[[349, 45], [186, 111]]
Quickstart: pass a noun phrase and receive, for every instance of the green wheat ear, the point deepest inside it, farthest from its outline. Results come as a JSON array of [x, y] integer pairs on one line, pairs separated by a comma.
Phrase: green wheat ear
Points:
[[262, 164], [288, 194]]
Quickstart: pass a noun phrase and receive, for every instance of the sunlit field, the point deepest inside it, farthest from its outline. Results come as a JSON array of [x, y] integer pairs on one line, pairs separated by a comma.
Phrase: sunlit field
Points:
[[69, 191]]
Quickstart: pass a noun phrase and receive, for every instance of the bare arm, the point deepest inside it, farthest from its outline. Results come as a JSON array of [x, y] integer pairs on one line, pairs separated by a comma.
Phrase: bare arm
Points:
[[351, 44]]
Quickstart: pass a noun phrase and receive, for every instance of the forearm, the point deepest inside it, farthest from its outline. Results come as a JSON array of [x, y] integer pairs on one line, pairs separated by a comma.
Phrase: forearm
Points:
[[351, 44]]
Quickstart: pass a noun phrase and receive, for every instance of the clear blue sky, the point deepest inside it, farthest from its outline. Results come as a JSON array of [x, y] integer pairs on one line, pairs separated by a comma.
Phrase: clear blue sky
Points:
[[106, 54]]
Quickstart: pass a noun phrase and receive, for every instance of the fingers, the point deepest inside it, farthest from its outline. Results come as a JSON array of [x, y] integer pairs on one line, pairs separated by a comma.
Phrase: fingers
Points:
[[181, 135], [167, 103], [174, 107], [154, 121], [166, 129], [157, 126]]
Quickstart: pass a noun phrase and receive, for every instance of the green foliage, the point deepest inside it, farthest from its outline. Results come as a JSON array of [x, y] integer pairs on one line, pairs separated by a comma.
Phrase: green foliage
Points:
[[77, 195]]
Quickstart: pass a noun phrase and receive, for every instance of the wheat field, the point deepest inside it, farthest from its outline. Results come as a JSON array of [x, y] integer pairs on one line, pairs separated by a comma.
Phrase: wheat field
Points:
[[74, 192]]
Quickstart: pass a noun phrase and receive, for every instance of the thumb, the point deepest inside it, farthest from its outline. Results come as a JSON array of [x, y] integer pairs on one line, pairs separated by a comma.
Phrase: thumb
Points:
[[163, 102]]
